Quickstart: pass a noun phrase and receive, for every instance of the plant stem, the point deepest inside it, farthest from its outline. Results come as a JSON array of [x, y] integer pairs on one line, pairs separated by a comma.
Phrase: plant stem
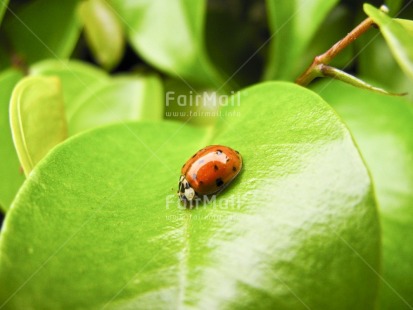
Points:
[[314, 70]]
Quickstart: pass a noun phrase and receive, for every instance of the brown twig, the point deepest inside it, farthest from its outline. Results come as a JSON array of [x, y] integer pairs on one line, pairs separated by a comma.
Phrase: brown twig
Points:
[[314, 70]]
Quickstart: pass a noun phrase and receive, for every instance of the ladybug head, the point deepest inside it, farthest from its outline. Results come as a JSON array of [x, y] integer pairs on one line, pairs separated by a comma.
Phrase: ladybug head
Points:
[[185, 191]]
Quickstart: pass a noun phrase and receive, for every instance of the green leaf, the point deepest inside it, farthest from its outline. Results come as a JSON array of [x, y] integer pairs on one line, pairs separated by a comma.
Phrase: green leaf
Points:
[[170, 36], [37, 119], [3, 8], [124, 98], [376, 63], [43, 29], [382, 127], [104, 32], [76, 77], [11, 176], [293, 24], [398, 37], [99, 224], [406, 23]]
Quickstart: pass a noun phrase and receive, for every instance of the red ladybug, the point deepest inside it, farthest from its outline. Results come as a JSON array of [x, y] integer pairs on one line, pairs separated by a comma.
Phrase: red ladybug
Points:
[[208, 172]]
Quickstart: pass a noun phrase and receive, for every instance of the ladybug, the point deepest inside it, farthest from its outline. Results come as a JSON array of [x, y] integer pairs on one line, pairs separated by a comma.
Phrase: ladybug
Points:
[[208, 172]]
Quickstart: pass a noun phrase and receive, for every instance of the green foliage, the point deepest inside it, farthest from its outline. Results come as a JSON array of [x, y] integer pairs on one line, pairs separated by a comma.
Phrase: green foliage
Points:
[[124, 98], [43, 29], [3, 8], [37, 119], [398, 35], [320, 216], [293, 25], [266, 233], [152, 27], [11, 178], [76, 79], [382, 127], [103, 32]]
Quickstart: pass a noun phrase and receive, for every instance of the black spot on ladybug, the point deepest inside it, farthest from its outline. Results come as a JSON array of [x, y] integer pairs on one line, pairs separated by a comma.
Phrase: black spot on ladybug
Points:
[[215, 167], [219, 182], [219, 152], [234, 169], [227, 159]]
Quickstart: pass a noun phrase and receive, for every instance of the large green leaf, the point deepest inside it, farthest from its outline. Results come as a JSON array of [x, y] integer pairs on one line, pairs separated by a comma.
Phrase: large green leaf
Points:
[[104, 32], [293, 25], [170, 36], [124, 98], [398, 37], [383, 126], [37, 118], [76, 77], [43, 29], [11, 176], [98, 222]]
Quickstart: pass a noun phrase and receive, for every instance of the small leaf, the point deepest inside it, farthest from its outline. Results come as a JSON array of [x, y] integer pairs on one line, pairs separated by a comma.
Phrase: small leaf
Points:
[[37, 119], [99, 224], [122, 99], [170, 36], [76, 78], [293, 25], [406, 23], [11, 177], [376, 63], [345, 77], [43, 29], [398, 37], [104, 32], [382, 127]]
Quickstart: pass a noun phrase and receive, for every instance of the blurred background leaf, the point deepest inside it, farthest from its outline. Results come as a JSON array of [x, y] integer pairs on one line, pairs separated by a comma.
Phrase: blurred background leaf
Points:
[[398, 37], [76, 78], [125, 98], [3, 8], [41, 29], [293, 24], [382, 127], [11, 173], [104, 32], [170, 36], [37, 119]]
